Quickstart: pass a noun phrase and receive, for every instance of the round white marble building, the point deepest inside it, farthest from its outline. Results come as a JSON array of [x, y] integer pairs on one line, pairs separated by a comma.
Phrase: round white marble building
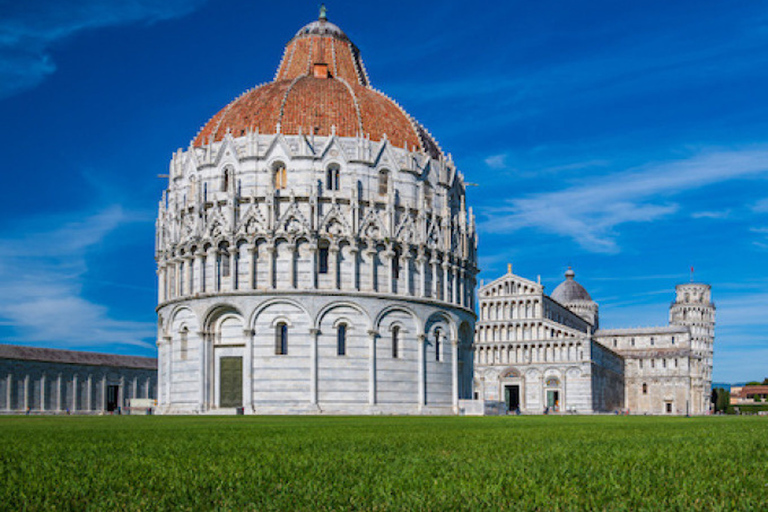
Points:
[[315, 253]]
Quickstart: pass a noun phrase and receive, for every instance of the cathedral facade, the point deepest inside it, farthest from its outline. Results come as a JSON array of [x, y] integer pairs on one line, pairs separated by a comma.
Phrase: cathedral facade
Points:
[[535, 352], [314, 251]]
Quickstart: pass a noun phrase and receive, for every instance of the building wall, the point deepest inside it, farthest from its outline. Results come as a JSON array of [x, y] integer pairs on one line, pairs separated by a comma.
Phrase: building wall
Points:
[[54, 387]]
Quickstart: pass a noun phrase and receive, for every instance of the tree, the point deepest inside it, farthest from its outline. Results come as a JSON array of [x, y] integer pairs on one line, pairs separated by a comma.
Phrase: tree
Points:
[[722, 398]]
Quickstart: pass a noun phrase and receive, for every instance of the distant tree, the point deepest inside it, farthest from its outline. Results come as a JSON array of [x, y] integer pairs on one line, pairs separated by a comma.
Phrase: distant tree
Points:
[[765, 381], [753, 383], [722, 399]]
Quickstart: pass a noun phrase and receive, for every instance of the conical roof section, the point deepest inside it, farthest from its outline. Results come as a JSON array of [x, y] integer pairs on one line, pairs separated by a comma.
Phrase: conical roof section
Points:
[[320, 88]]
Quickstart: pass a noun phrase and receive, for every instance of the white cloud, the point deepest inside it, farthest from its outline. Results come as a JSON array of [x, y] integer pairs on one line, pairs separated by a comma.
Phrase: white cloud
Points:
[[28, 30], [760, 206], [716, 215], [41, 274], [496, 161], [590, 211]]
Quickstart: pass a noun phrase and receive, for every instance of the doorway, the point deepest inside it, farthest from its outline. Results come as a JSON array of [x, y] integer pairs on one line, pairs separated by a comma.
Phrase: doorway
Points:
[[113, 394], [231, 381], [512, 397], [553, 399]]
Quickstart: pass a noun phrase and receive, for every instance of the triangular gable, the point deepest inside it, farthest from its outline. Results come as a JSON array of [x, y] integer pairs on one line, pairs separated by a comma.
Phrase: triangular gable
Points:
[[373, 227], [334, 223], [293, 222]]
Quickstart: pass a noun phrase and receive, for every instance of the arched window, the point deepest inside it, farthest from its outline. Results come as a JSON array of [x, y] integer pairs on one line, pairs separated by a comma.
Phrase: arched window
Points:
[[332, 177], [395, 342], [226, 179], [280, 176], [322, 260], [224, 262], [383, 182], [645, 388], [341, 340], [427, 195], [641, 363], [281, 339], [183, 346], [396, 263], [652, 341], [437, 344]]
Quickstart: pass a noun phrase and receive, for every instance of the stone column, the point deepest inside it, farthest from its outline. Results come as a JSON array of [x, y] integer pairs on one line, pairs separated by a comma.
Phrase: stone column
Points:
[[189, 261], [333, 255], [314, 333], [200, 257], [203, 336], [248, 370], [446, 278], [104, 391], [433, 269], [455, 374], [293, 250], [42, 392], [89, 394], [371, 254], [161, 284], [421, 261], [74, 393], [121, 393], [389, 261], [372, 368], [313, 264], [455, 297], [135, 387], [251, 249], [422, 371], [272, 250], [58, 392], [211, 268], [234, 258], [26, 391], [8, 391], [405, 266], [356, 278]]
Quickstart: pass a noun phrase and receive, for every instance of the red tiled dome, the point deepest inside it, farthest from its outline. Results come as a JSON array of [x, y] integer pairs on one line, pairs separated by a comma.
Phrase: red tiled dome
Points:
[[320, 84]]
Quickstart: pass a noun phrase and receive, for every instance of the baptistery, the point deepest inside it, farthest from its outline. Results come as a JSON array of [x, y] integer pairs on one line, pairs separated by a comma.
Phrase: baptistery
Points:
[[314, 251]]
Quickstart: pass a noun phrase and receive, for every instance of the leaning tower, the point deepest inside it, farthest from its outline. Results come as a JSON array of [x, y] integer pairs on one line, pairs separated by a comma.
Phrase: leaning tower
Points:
[[693, 307]]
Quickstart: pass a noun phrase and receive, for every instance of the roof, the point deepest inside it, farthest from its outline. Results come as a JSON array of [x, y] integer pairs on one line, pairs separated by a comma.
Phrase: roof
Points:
[[639, 331], [746, 391], [304, 100], [569, 290], [51, 355]]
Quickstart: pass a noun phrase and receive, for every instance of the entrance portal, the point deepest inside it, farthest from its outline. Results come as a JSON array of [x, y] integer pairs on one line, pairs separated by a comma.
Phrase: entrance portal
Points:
[[231, 381], [512, 397], [553, 399], [113, 393]]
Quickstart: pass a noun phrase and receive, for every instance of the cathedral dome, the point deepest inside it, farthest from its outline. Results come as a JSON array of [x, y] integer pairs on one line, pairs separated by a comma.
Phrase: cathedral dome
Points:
[[320, 88], [569, 290]]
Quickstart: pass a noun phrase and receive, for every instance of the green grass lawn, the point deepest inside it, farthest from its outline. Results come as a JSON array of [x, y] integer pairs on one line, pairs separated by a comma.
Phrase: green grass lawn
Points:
[[374, 463]]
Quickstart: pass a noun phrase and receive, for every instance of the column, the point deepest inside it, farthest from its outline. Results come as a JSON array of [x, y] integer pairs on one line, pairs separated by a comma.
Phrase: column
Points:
[[372, 368], [161, 284], [234, 258], [200, 257], [135, 387], [89, 394], [203, 337], [121, 393], [248, 371], [446, 279], [421, 261], [74, 393], [104, 391], [433, 268], [371, 253], [293, 249], [271, 250], [42, 392], [58, 392], [354, 251], [211, 270], [8, 391], [188, 273], [314, 333], [389, 261], [422, 371], [455, 374], [405, 266], [251, 266], [455, 277], [314, 270], [26, 392], [333, 254]]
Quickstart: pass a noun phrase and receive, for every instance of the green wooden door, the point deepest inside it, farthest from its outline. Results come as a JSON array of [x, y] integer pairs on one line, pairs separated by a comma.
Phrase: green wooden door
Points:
[[231, 382]]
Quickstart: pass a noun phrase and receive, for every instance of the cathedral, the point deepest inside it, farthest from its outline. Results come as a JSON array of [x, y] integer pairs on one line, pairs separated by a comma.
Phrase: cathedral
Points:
[[536, 352], [314, 251]]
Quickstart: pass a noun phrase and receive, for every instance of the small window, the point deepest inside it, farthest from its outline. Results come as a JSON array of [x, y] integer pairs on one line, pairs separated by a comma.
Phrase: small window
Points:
[[669, 407], [332, 177], [281, 339], [322, 260], [224, 263], [383, 182], [396, 263], [653, 363], [673, 340], [395, 342], [181, 278], [632, 342], [675, 362], [341, 340], [614, 342], [226, 179], [645, 388], [641, 363], [652, 341], [280, 176], [184, 347], [437, 345], [664, 363]]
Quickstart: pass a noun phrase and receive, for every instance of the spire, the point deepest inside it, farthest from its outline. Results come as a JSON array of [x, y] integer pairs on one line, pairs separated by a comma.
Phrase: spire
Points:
[[323, 13]]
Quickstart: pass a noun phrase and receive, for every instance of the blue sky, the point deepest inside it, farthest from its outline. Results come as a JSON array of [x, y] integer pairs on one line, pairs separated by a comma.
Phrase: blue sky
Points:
[[627, 139]]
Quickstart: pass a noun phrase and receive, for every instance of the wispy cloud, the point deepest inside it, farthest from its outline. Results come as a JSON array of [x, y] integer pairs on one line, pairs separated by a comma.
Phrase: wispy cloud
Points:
[[30, 28], [590, 211], [496, 161], [41, 276], [724, 214]]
